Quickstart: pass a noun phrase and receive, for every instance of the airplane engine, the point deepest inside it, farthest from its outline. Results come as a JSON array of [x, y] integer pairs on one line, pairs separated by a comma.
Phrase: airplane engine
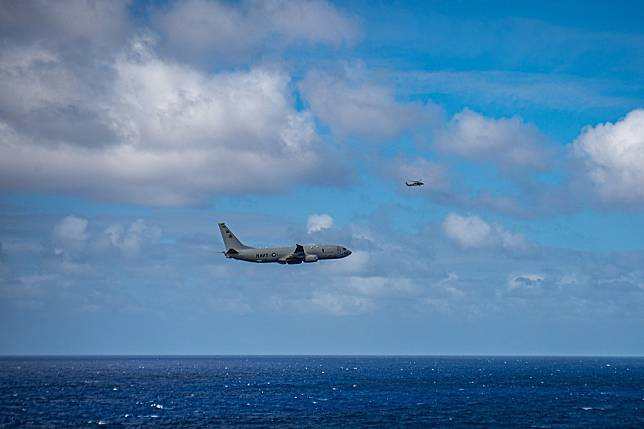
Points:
[[310, 258]]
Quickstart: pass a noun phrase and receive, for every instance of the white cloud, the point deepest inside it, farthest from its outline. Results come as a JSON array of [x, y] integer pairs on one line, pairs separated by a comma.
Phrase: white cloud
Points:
[[470, 231], [342, 305], [449, 286], [74, 20], [318, 222], [70, 234], [130, 240], [325, 302], [507, 142], [443, 185], [612, 155], [351, 105], [379, 286], [228, 30], [45, 95], [474, 232], [41, 66], [179, 135], [310, 20], [71, 237], [351, 295], [113, 234], [446, 296]]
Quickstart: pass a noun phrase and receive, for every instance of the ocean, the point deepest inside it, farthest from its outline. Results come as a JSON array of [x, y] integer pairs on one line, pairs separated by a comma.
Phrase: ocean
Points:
[[314, 391]]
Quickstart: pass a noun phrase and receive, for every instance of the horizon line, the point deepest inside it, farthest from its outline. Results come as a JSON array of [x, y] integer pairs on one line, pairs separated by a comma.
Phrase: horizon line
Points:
[[331, 355]]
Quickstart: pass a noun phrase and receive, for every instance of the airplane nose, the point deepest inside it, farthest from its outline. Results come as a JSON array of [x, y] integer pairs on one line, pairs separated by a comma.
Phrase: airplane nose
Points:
[[348, 252]]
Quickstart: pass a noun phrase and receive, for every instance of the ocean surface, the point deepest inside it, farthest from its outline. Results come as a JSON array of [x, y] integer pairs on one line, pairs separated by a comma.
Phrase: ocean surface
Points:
[[322, 392]]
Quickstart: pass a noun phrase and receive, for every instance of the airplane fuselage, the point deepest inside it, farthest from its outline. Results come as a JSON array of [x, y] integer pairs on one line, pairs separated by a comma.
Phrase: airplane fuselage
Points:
[[296, 254], [312, 253]]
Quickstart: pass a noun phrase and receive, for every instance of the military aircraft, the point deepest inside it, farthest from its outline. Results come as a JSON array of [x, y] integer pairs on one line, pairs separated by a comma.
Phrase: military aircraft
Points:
[[414, 182], [282, 255]]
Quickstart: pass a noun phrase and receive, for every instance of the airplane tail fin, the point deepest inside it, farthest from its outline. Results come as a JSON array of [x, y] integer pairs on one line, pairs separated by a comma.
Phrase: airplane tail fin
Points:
[[230, 241]]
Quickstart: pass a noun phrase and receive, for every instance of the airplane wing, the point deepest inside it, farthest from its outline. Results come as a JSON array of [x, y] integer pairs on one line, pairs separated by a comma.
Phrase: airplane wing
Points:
[[296, 257]]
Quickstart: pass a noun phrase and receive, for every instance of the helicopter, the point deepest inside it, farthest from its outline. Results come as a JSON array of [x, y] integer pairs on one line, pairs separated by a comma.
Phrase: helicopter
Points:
[[414, 182]]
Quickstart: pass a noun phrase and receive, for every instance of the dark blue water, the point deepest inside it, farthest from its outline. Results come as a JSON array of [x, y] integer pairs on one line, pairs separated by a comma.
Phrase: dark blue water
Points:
[[322, 392]]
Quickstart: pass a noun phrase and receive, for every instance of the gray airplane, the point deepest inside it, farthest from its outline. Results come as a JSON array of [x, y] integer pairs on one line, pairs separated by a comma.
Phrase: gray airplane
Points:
[[282, 255]]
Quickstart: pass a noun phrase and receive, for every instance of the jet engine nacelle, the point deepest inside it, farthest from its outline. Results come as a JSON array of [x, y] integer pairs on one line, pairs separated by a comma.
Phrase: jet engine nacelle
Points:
[[310, 258]]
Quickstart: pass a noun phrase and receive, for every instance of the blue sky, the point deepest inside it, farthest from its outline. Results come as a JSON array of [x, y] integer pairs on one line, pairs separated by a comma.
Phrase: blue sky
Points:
[[129, 129]]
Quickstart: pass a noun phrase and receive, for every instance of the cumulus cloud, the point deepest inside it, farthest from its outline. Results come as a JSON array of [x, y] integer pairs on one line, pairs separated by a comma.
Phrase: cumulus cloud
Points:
[[469, 231], [342, 305], [176, 135], [507, 142], [612, 156], [318, 222], [325, 302], [380, 286], [130, 239], [72, 237], [229, 30], [351, 105], [52, 98], [507, 146], [70, 234], [92, 21], [474, 232], [447, 296], [444, 280], [351, 295], [443, 184], [448, 286], [348, 295]]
